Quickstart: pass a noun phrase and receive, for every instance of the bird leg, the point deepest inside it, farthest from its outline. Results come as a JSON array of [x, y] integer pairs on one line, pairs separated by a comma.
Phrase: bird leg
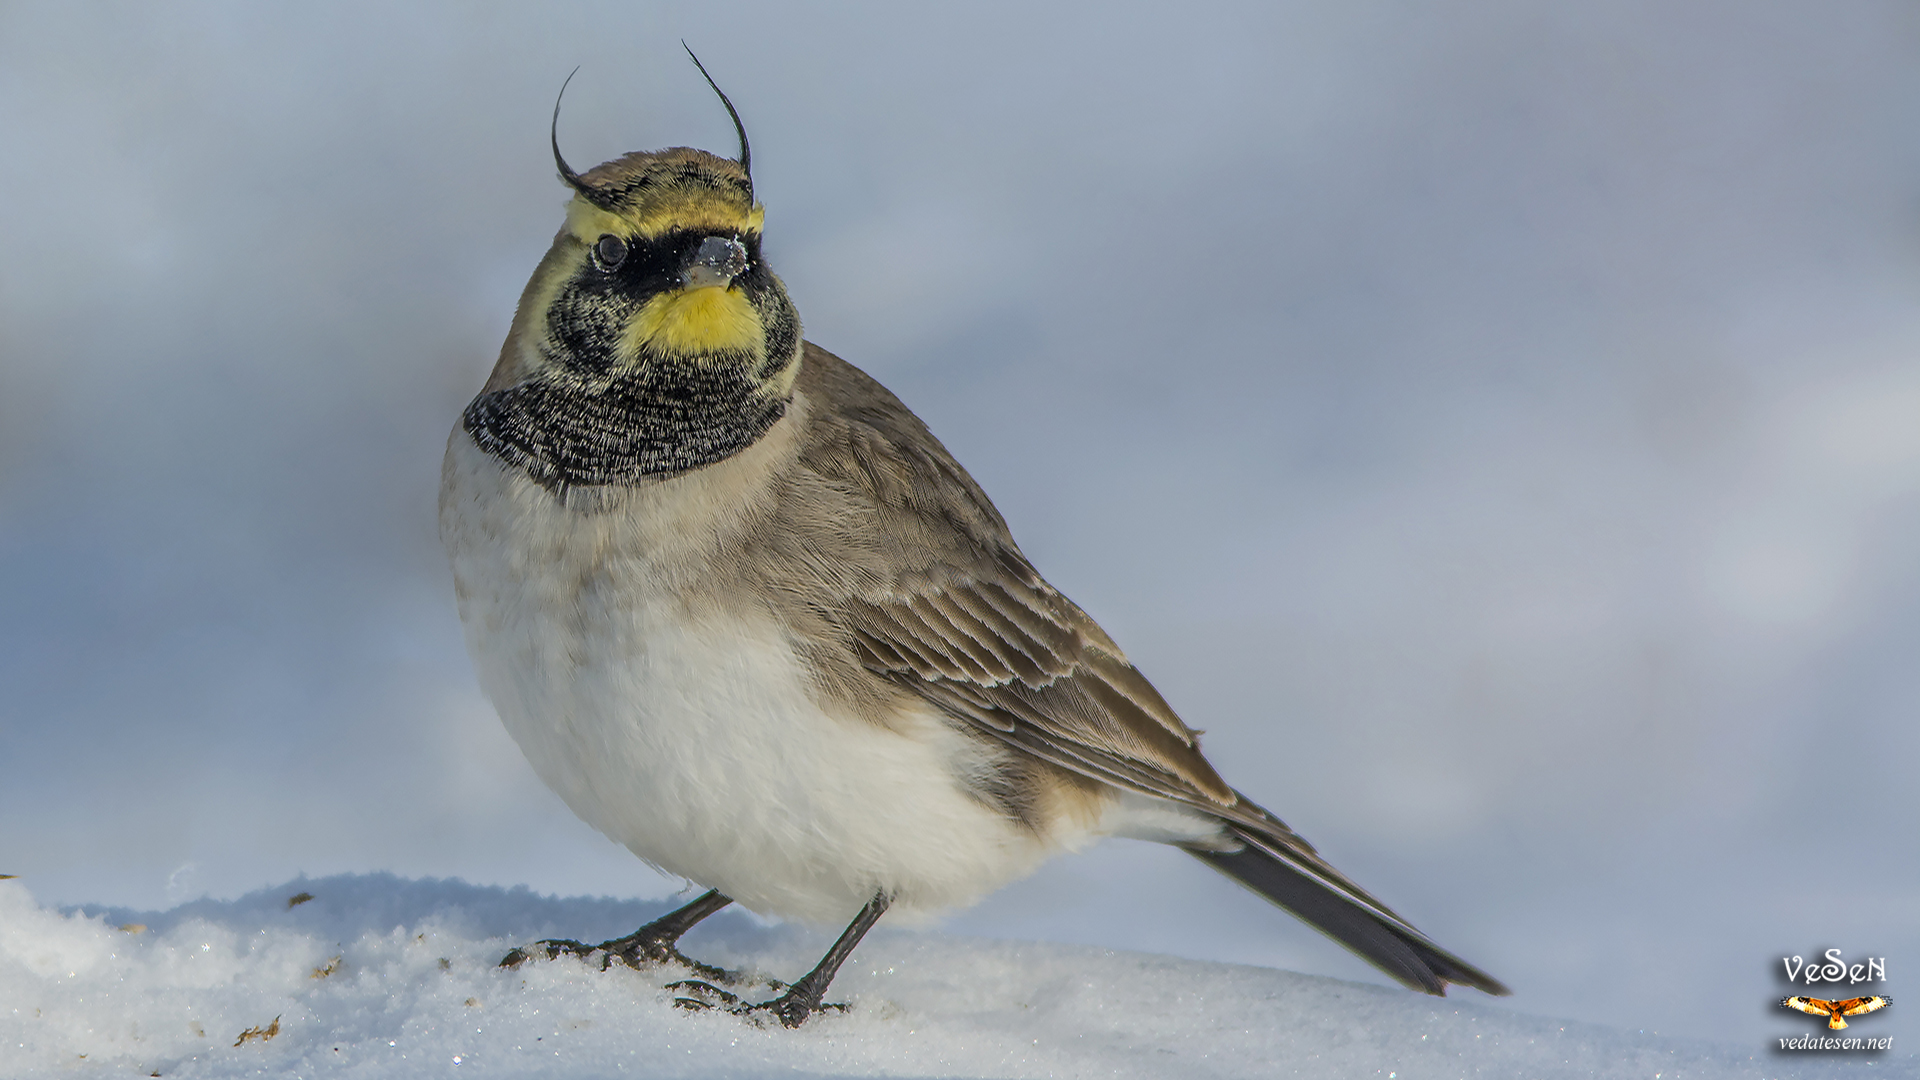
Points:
[[803, 998], [655, 943]]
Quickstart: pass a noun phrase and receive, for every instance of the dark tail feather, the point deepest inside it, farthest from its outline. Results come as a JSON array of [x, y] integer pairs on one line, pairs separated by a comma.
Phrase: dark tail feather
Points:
[[1377, 935]]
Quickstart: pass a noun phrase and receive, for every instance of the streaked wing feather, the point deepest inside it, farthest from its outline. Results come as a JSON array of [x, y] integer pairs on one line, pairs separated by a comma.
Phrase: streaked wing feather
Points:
[[1010, 651], [953, 611], [1036, 732]]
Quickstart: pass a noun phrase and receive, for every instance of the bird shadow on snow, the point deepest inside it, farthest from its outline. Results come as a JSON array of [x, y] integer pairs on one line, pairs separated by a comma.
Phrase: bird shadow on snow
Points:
[[376, 975]]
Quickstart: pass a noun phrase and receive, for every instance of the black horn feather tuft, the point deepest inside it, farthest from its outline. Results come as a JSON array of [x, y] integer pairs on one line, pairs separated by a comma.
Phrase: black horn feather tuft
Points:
[[746, 154], [588, 191]]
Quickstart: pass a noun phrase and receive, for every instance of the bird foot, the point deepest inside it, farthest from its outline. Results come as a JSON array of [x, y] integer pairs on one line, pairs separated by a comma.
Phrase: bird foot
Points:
[[552, 949], [790, 1009], [634, 951], [640, 952]]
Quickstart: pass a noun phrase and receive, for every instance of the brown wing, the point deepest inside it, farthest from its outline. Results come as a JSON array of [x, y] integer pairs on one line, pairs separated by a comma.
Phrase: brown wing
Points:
[[1856, 1006], [888, 560], [1018, 659], [937, 598], [942, 601]]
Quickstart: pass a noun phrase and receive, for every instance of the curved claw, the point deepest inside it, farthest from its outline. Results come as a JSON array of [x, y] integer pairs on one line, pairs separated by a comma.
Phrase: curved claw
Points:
[[702, 995], [552, 947]]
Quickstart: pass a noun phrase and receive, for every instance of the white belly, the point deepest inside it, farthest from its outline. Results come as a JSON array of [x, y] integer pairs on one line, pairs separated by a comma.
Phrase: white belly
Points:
[[685, 729]]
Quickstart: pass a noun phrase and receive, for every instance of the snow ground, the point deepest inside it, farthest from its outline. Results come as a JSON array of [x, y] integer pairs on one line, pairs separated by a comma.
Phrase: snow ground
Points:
[[388, 977]]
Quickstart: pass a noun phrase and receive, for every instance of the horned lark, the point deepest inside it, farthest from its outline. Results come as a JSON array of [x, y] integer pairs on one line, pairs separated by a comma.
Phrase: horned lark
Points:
[[749, 618]]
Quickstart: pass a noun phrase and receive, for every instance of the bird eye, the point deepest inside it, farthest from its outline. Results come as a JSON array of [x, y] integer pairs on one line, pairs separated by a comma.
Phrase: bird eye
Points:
[[610, 251]]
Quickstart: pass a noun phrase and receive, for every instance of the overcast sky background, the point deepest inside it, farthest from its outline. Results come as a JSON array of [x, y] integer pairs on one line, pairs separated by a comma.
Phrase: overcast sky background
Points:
[[1498, 427]]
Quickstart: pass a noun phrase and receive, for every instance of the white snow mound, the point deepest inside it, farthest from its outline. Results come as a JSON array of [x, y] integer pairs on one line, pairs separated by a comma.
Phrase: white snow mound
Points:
[[376, 976]]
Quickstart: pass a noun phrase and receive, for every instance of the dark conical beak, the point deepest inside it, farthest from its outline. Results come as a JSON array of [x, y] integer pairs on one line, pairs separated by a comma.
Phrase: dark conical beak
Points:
[[718, 261]]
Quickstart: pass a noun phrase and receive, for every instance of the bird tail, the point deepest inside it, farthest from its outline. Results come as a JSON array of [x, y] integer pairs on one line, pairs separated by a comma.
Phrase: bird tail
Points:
[[1298, 880]]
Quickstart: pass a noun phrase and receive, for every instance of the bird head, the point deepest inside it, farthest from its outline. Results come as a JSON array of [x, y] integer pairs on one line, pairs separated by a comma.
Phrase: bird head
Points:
[[652, 338], [658, 268]]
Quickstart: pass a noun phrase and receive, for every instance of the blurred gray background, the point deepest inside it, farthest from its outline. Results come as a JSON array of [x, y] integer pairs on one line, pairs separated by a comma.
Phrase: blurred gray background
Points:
[[1497, 425]]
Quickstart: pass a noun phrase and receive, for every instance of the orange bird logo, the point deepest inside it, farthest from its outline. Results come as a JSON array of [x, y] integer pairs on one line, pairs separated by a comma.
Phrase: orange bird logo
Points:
[[1834, 1010]]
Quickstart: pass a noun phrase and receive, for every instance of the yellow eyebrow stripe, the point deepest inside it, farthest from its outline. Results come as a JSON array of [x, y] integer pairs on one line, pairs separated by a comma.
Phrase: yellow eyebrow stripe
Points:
[[689, 210]]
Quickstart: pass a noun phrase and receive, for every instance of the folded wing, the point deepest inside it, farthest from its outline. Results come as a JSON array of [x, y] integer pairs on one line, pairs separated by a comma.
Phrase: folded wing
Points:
[[959, 617]]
